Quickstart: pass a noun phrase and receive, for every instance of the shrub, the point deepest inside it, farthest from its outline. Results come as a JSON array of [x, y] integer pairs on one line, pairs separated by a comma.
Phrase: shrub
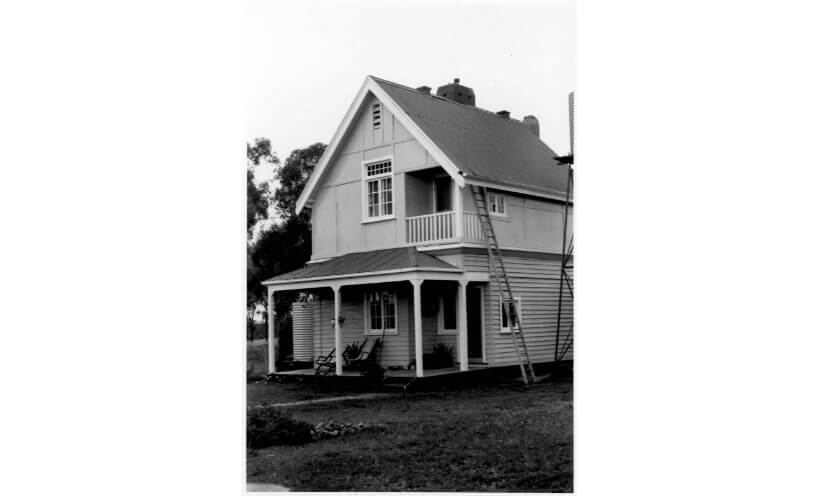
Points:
[[267, 426], [442, 356]]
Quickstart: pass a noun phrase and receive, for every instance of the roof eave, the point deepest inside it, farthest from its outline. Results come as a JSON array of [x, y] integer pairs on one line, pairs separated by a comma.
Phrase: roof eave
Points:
[[516, 188], [275, 282]]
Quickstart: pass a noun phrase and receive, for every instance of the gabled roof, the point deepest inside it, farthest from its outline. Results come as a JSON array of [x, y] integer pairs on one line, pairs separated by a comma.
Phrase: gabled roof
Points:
[[471, 144], [390, 260], [482, 144]]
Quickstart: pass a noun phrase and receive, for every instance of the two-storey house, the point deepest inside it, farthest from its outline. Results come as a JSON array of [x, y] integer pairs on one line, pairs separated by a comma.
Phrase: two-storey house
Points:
[[398, 249]]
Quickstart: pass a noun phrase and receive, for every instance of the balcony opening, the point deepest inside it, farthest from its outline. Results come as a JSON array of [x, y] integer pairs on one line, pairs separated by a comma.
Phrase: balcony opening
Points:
[[442, 186]]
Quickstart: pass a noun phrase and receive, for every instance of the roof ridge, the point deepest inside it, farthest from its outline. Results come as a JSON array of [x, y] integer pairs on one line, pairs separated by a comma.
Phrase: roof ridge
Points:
[[435, 97]]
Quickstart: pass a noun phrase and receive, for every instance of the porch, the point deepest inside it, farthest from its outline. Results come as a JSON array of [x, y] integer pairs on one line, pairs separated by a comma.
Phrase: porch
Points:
[[414, 302], [398, 373]]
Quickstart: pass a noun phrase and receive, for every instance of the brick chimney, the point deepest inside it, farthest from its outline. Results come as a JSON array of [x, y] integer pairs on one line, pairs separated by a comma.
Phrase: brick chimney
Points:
[[456, 92], [425, 90], [505, 114], [532, 124]]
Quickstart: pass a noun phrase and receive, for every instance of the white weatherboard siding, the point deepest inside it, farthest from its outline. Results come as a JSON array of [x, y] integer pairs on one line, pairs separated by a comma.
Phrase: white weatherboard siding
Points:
[[536, 283], [397, 350], [395, 347]]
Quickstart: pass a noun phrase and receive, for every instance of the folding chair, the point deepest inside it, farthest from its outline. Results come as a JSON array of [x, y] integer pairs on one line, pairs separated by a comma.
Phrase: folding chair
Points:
[[325, 362]]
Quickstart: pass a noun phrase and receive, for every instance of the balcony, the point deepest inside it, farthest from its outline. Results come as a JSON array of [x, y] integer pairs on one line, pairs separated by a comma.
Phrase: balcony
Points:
[[442, 227]]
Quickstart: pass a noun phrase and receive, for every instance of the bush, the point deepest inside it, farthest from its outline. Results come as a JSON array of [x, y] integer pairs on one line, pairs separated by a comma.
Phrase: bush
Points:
[[267, 426], [441, 357]]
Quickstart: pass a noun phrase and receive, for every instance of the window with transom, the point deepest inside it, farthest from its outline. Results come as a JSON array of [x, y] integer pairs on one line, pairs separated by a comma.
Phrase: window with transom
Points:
[[378, 180]]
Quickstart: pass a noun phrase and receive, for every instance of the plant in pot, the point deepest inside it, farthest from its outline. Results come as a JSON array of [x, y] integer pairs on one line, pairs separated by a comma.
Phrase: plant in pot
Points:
[[441, 357], [352, 351]]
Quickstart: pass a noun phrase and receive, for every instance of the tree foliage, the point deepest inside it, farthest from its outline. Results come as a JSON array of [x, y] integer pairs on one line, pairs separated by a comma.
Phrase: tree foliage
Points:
[[287, 244], [292, 178], [258, 196]]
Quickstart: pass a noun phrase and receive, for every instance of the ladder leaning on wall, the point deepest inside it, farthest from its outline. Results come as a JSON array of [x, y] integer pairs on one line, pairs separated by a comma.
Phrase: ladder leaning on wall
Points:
[[499, 281]]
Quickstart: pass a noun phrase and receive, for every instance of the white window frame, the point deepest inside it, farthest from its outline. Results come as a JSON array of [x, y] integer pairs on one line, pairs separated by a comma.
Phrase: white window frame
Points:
[[519, 303], [365, 180], [368, 331], [492, 202], [441, 321]]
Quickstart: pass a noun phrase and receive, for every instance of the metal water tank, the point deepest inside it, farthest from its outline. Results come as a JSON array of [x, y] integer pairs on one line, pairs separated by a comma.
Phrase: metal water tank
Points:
[[302, 331]]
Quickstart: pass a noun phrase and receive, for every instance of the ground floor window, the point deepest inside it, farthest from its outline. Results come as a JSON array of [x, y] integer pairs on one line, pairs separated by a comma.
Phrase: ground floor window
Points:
[[381, 312], [517, 310]]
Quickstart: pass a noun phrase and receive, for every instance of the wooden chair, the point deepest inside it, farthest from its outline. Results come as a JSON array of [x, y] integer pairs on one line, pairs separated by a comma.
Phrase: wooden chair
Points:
[[367, 348], [325, 362]]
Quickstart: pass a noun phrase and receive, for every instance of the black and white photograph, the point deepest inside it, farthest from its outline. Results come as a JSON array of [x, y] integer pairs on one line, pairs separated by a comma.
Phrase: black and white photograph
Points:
[[410, 247], [345, 247]]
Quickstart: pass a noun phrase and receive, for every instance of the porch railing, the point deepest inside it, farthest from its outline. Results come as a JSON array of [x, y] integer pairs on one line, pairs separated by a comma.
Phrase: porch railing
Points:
[[441, 227]]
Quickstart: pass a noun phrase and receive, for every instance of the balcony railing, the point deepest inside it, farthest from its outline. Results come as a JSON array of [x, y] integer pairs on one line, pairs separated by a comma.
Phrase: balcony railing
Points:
[[471, 226], [431, 227], [441, 227]]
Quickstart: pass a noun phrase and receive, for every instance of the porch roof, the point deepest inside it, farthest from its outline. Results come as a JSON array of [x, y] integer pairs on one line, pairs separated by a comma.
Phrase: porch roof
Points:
[[379, 261]]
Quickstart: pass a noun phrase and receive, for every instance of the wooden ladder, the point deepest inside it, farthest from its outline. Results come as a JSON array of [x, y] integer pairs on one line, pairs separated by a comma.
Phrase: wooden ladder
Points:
[[499, 279]]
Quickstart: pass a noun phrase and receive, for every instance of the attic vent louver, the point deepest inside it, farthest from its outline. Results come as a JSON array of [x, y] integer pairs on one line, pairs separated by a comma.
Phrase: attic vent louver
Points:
[[376, 116]]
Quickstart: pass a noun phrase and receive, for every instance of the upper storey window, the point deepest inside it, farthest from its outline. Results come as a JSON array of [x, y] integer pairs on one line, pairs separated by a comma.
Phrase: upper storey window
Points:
[[378, 177], [497, 204], [376, 116]]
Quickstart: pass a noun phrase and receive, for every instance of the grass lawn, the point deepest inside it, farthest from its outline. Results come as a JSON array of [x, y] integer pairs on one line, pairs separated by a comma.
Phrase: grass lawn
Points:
[[490, 438]]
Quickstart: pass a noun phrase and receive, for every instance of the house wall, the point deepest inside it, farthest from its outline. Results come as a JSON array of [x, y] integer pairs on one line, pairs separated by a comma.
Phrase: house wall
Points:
[[338, 207], [536, 283], [530, 224], [430, 296], [394, 350], [397, 349]]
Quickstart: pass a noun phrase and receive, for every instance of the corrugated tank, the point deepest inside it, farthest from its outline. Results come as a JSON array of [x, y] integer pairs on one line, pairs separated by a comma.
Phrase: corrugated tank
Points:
[[302, 332]]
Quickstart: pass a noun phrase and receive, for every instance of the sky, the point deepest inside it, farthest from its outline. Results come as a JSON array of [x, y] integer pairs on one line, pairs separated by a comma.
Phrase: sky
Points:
[[307, 60]]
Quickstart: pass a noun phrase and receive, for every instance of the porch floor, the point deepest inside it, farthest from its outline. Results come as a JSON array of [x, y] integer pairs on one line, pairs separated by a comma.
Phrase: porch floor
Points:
[[390, 373]]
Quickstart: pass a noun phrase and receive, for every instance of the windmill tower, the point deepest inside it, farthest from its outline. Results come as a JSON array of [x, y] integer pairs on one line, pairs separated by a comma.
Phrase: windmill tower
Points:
[[566, 281]]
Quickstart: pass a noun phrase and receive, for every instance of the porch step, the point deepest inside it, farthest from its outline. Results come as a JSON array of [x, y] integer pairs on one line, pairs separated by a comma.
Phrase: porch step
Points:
[[396, 380]]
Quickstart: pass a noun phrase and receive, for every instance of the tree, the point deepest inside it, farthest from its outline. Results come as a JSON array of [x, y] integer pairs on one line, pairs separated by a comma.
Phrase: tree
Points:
[[287, 244], [292, 178], [258, 196]]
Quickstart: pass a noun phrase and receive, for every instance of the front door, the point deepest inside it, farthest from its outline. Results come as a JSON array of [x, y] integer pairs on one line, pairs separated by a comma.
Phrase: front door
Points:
[[474, 321]]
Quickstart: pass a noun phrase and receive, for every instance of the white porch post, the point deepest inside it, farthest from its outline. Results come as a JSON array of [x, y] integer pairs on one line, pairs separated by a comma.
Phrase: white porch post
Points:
[[462, 327], [458, 211], [418, 327], [339, 364], [271, 339]]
